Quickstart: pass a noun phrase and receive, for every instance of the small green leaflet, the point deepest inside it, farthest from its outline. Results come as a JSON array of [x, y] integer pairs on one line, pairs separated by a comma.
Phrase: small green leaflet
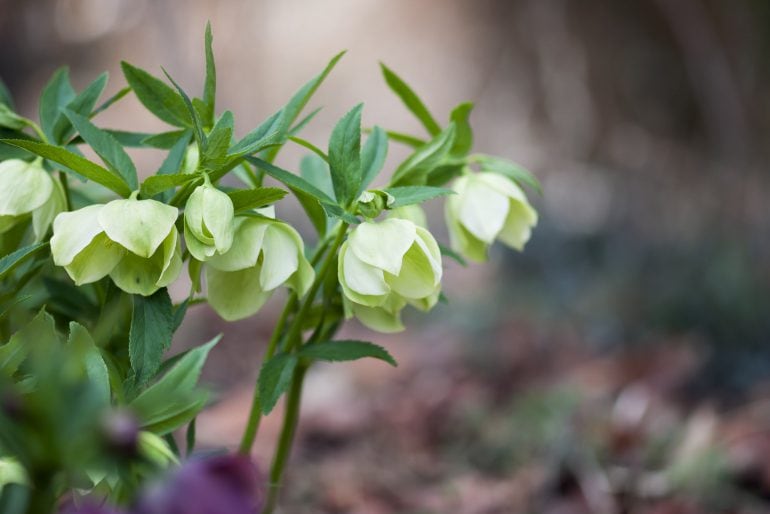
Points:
[[271, 132], [411, 100], [106, 147], [373, 157], [291, 180], [82, 104], [150, 335], [56, 94], [210, 84], [246, 199], [405, 139], [218, 142], [274, 378], [111, 100], [316, 171], [310, 146], [464, 135], [159, 183], [345, 156], [415, 169], [164, 140], [81, 165], [408, 195], [174, 400], [346, 350], [10, 261], [157, 97], [96, 370], [200, 135], [10, 119]]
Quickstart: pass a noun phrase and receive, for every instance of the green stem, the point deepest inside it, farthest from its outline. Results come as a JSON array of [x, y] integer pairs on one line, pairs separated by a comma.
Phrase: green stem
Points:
[[290, 418], [255, 415]]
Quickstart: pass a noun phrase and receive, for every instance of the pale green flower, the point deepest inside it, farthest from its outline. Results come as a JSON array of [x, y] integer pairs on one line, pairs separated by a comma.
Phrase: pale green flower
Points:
[[265, 254], [208, 222], [487, 206], [385, 265], [27, 190], [413, 213], [133, 241]]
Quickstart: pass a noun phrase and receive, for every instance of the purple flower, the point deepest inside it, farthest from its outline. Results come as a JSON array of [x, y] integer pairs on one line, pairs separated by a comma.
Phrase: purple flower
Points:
[[226, 484], [89, 508]]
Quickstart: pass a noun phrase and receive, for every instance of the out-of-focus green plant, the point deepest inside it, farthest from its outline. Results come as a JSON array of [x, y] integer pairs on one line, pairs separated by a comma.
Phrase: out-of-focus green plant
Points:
[[89, 400]]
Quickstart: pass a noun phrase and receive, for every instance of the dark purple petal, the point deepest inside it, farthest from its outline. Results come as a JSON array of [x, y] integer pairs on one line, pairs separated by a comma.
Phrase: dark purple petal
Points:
[[89, 508], [227, 484]]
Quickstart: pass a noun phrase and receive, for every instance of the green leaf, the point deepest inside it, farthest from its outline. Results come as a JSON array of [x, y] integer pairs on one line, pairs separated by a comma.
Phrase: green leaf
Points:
[[291, 180], [408, 195], [218, 142], [164, 140], [373, 157], [415, 169], [174, 399], [173, 162], [345, 156], [56, 94], [346, 350], [111, 100], [274, 378], [10, 261], [10, 119], [246, 199], [5, 95], [271, 132], [210, 84], [405, 139], [304, 121], [411, 100], [159, 183], [316, 171], [12, 354], [157, 97], [197, 124], [82, 104], [96, 370], [448, 252], [300, 99], [130, 139], [150, 335], [464, 135], [105, 146], [510, 169], [310, 146], [74, 162]]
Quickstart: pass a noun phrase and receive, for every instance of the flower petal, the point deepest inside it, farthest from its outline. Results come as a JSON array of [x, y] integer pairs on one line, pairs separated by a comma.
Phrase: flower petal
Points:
[[138, 275], [235, 295], [44, 215], [482, 210], [24, 187], [73, 231], [416, 279], [246, 247], [518, 225], [382, 319], [172, 259], [463, 241], [383, 244], [218, 218], [280, 256], [139, 225], [95, 261]]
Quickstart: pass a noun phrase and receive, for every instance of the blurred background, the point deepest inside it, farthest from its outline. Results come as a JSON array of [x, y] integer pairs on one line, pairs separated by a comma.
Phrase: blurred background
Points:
[[619, 364]]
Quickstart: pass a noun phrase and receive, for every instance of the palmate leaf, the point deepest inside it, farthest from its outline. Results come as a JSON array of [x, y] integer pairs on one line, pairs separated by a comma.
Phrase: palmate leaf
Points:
[[82, 104]]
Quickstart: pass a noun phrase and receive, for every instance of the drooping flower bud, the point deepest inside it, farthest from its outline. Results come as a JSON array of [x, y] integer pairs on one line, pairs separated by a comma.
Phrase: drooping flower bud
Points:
[[487, 206], [385, 265], [265, 254], [26, 188], [208, 222], [133, 241]]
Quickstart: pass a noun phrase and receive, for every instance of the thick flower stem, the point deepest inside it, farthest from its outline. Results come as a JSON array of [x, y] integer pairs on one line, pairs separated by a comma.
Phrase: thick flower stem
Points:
[[290, 418], [255, 415]]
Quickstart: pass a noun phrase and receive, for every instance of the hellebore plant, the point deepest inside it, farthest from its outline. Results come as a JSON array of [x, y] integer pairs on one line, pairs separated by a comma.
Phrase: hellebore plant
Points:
[[92, 411]]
